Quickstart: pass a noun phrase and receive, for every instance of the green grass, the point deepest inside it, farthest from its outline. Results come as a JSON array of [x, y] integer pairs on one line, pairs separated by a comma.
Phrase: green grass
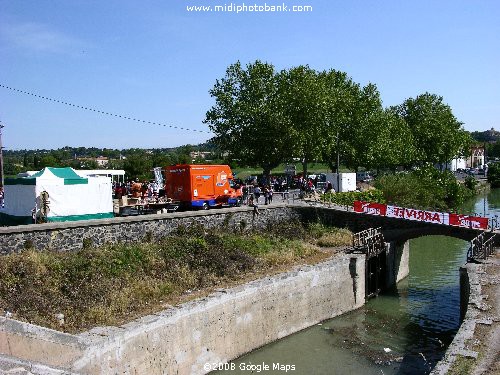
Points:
[[312, 168], [115, 283], [462, 366]]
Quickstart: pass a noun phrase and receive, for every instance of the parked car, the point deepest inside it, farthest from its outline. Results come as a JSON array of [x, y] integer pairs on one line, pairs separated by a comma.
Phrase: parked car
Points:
[[365, 176]]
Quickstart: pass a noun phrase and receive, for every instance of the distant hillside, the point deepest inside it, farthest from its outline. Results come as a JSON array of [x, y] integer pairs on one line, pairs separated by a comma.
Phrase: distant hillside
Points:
[[489, 136]]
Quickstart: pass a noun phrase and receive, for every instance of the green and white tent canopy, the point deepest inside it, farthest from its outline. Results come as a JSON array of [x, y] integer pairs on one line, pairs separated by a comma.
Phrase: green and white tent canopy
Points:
[[71, 197]]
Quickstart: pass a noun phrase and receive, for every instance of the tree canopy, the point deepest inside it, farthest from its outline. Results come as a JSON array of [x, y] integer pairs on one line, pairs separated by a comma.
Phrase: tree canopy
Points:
[[263, 118], [437, 135], [246, 118]]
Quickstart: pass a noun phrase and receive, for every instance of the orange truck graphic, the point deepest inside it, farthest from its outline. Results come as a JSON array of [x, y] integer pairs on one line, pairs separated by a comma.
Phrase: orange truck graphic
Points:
[[201, 186]]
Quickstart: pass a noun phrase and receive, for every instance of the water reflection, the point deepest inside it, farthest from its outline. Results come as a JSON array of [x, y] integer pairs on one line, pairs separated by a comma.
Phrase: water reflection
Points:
[[404, 331]]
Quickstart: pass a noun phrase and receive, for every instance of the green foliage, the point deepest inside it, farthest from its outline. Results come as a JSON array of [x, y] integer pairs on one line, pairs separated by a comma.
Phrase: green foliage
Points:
[[494, 175], [246, 117], [427, 188], [437, 135], [493, 149], [470, 183], [348, 198], [263, 118], [137, 166]]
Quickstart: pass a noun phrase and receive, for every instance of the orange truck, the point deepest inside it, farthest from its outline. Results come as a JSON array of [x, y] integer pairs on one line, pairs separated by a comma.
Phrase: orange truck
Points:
[[201, 186]]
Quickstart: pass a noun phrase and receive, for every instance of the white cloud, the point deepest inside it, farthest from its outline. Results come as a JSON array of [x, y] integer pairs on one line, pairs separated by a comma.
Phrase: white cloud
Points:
[[39, 37]]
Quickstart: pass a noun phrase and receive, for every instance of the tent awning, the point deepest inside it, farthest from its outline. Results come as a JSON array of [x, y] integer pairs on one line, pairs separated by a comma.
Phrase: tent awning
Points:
[[68, 175]]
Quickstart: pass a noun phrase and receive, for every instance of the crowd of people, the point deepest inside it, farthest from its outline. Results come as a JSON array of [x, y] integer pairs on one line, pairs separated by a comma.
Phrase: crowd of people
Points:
[[136, 189], [254, 189]]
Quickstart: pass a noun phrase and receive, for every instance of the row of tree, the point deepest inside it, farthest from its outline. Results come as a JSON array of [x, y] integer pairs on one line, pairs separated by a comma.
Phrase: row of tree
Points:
[[263, 117], [137, 163]]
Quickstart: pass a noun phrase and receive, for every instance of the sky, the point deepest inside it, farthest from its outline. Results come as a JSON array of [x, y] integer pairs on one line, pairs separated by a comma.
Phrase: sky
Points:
[[155, 61]]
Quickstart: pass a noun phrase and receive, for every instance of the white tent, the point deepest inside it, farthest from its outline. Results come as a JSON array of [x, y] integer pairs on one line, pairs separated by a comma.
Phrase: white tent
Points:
[[70, 197]]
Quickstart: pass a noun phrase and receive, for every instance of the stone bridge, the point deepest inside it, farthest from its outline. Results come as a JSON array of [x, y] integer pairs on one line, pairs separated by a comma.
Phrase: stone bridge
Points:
[[393, 229]]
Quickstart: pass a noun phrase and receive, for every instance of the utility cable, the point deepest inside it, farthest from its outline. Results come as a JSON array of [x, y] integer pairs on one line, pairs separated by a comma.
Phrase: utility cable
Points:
[[102, 112]]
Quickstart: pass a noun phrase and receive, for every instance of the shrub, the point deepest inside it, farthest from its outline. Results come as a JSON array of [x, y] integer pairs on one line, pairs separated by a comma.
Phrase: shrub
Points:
[[494, 175], [426, 188], [348, 198]]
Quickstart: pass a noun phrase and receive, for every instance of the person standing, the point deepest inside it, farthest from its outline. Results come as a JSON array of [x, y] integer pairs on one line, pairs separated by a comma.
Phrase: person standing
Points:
[[256, 193]]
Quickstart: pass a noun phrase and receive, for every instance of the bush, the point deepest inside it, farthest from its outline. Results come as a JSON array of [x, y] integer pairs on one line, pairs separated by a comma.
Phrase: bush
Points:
[[426, 188], [494, 175], [348, 198]]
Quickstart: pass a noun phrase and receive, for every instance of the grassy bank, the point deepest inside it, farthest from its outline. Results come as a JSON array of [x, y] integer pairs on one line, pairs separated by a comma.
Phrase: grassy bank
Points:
[[113, 284]]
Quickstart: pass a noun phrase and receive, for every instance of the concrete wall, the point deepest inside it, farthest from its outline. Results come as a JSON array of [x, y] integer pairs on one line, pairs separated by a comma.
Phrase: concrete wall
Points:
[[218, 328], [36, 343], [397, 262]]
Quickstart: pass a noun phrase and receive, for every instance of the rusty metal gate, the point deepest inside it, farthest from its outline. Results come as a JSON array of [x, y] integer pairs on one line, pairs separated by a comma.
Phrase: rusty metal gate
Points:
[[371, 242]]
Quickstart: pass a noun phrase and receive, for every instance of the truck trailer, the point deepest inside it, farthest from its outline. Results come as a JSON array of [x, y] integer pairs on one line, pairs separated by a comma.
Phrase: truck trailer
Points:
[[201, 186]]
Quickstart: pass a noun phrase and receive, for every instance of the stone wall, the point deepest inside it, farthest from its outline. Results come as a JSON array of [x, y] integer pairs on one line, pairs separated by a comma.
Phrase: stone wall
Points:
[[397, 262], [476, 346], [71, 236]]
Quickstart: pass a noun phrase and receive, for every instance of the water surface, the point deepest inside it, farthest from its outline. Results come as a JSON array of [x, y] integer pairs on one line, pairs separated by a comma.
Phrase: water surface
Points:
[[402, 331]]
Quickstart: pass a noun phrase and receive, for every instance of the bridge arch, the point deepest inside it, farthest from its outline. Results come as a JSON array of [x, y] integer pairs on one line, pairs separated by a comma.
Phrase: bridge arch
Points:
[[393, 229]]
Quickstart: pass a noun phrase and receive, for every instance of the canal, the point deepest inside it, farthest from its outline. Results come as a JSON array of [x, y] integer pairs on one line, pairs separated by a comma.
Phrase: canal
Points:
[[403, 331]]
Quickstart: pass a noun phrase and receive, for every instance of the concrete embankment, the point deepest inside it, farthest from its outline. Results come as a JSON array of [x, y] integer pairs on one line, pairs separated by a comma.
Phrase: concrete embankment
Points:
[[476, 346], [183, 339]]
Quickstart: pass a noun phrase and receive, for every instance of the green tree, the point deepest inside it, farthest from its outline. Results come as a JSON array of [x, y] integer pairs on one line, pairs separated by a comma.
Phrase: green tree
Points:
[[304, 101], [246, 118], [340, 96], [393, 145], [49, 161], [138, 165], [493, 149], [362, 135], [494, 175], [437, 135]]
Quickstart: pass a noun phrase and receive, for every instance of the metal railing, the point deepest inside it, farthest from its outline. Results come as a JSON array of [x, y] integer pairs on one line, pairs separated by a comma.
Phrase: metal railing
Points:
[[481, 247], [369, 241]]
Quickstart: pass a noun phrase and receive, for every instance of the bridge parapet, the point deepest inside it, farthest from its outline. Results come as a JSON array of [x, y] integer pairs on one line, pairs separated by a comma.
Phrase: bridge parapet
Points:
[[393, 229]]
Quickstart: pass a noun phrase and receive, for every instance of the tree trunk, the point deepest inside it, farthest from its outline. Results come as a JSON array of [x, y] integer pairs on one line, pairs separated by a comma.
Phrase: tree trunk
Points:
[[304, 167], [266, 172]]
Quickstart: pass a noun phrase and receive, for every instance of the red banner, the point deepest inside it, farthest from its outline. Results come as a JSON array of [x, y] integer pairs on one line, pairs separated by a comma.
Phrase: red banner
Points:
[[418, 215], [466, 221], [370, 208]]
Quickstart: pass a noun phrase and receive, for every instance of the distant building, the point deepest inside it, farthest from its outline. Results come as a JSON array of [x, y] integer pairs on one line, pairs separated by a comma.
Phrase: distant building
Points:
[[102, 161], [453, 165], [477, 157], [475, 160], [199, 154]]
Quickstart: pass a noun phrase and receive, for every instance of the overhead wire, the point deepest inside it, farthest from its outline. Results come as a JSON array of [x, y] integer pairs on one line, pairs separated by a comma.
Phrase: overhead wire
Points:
[[101, 112]]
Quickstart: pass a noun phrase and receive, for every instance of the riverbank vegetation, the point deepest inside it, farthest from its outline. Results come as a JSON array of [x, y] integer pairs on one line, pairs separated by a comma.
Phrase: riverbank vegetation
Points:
[[494, 175], [348, 198], [113, 284], [426, 188]]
